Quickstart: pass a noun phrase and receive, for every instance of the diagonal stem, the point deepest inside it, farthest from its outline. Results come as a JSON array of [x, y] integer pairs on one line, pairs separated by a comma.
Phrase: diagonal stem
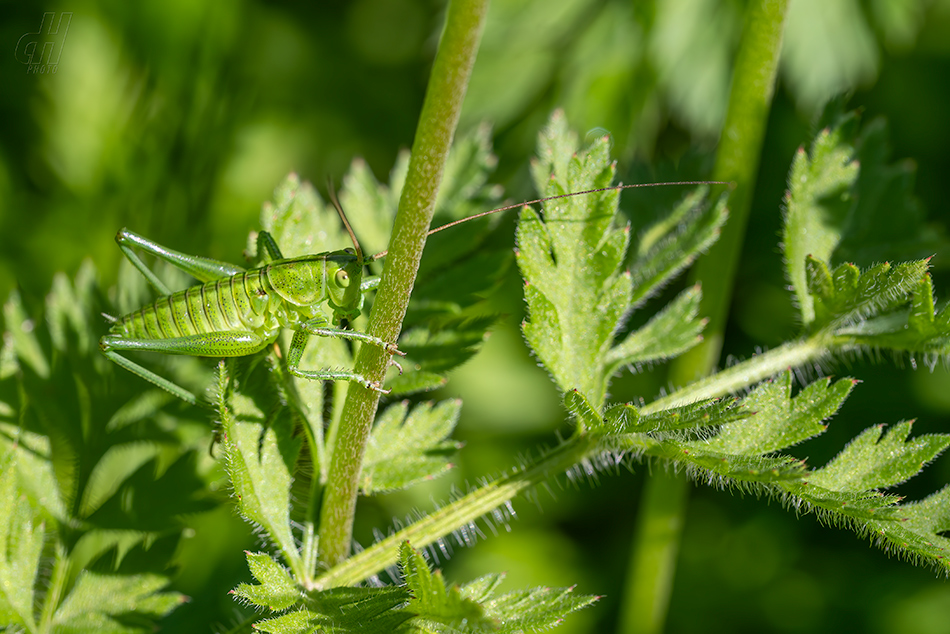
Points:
[[464, 512]]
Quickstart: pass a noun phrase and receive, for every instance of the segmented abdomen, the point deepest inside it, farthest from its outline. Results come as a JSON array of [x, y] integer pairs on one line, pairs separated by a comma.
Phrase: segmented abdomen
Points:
[[226, 305]]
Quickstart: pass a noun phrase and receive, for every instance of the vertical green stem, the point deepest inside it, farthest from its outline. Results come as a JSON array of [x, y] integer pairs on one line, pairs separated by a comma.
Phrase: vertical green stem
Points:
[[656, 547], [663, 509], [440, 113]]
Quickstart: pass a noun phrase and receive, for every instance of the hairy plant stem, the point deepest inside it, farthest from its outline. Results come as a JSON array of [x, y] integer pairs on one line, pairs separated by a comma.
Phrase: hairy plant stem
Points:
[[462, 513], [650, 579], [459, 515], [440, 113]]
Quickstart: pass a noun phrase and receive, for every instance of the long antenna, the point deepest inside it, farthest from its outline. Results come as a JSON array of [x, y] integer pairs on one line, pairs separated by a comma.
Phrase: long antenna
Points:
[[346, 223], [542, 200]]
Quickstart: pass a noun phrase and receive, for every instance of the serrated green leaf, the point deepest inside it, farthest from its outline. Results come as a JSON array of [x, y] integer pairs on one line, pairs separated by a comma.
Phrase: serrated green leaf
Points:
[[141, 406], [887, 221], [412, 382], [443, 342], [535, 609], [816, 205], [276, 589], [919, 330], [116, 544], [432, 601], [65, 306], [670, 332], [101, 603], [116, 464], [570, 275], [296, 622], [877, 460], [37, 480], [472, 608], [587, 417], [260, 458], [846, 203], [737, 467], [673, 243], [767, 420], [844, 491], [345, 611], [350, 607], [778, 420], [621, 418], [371, 206], [694, 416], [818, 278], [21, 544], [65, 440], [404, 449], [921, 318], [856, 297], [576, 291], [921, 530], [300, 222], [854, 506], [482, 588], [460, 284]]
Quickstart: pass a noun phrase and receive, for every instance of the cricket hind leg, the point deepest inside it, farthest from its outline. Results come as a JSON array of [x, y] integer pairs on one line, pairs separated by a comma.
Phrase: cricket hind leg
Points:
[[151, 377], [201, 268], [215, 344]]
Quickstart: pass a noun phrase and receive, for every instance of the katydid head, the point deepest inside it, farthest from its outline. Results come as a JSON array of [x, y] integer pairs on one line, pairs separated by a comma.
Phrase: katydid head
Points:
[[344, 275]]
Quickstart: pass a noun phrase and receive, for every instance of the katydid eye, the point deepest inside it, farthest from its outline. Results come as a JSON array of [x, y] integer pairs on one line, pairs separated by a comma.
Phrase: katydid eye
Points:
[[342, 278]]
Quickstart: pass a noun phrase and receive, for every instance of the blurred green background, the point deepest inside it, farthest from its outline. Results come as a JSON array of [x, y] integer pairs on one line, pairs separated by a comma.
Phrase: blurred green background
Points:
[[178, 119]]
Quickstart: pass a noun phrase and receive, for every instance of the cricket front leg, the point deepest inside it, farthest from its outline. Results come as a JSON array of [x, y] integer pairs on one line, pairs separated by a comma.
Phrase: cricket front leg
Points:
[[297, 346], [320, 327]]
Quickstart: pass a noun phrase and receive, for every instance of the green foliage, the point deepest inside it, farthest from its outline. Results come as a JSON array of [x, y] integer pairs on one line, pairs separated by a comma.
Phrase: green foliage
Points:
[[423, 604], [276, 589], [345, 611], [845, 201], [576, 292], [728, 442], [198, 113], [21, 544], [815, 207], [277, 432], [96, 473], [406, 447], [473, 606], [261, 454]]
